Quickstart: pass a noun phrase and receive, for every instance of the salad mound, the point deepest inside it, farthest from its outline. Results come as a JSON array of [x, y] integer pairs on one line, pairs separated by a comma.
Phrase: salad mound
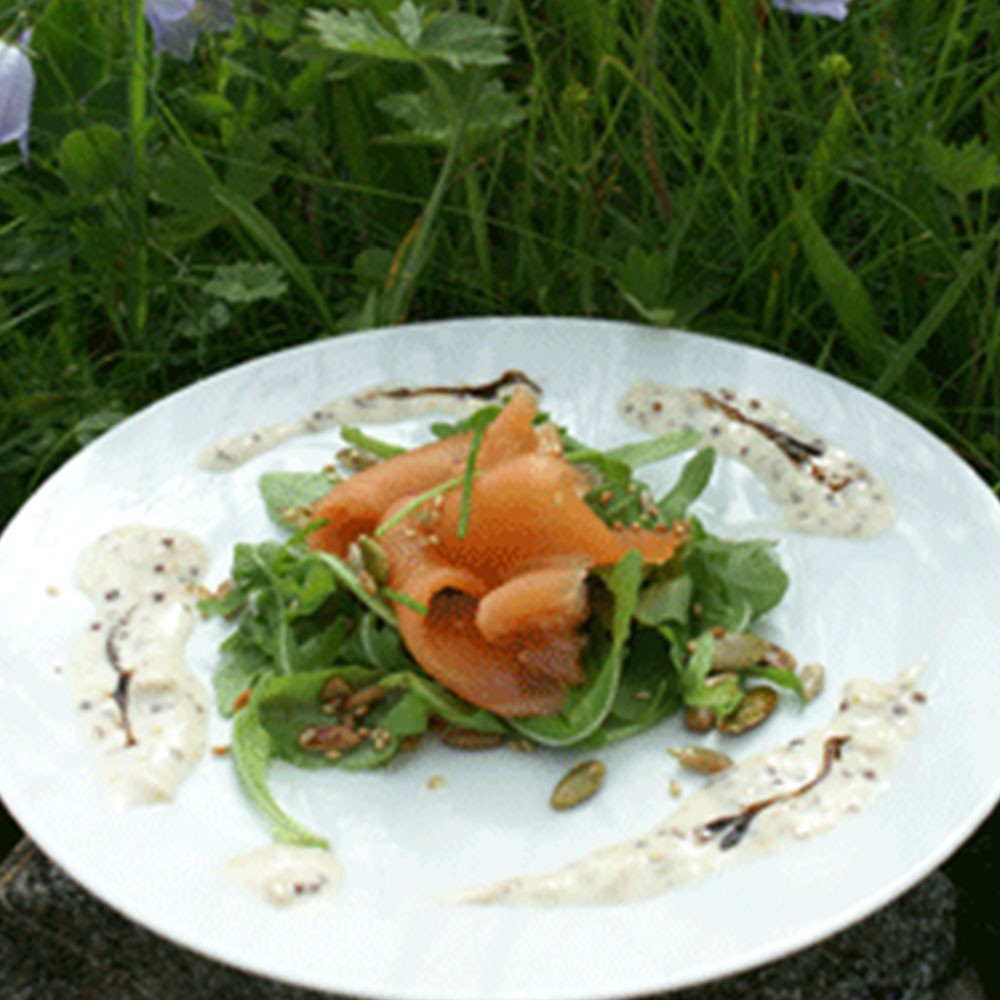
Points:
[[503, 580]]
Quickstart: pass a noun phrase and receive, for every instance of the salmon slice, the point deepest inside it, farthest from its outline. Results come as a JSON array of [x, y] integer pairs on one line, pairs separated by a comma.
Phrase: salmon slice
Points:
[[504, 600], [531, 509], [447, 644], [357, 505], [523, 666], [538, 601]]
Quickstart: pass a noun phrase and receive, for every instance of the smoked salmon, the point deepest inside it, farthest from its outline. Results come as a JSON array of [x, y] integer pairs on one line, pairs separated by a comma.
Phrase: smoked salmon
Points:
[[492, 586]]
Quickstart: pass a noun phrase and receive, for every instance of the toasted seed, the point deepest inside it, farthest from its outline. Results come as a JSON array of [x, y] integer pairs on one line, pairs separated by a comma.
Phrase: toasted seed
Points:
[[359, 702], [381, 738], [758, 703], [738, 651], [335, 736], [813, 678], [699, 719], [335, 690], [578, 784], [298, 515], [470, 739], [356, 459], [704, 760], [353, 558], [778, 657]]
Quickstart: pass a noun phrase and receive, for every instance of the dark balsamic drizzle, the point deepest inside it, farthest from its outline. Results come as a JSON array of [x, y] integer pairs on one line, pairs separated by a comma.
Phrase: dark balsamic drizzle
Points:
[[736, 825], [801, 453], [120, 694], [487, 390]]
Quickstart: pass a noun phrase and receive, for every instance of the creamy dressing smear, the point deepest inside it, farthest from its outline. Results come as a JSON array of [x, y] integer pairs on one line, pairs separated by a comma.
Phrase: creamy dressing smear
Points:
[[380, 404], [284, 873], [144, 711], [821, 488], [768, 801]]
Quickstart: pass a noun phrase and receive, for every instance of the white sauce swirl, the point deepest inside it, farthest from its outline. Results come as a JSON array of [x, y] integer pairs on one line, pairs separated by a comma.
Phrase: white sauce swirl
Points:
[[823, 490], [284, 874], [769, 801], [380, 404], [144, 711]]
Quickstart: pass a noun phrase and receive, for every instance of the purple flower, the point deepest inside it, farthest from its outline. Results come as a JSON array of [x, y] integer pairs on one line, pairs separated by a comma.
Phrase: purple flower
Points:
[[177, 24], [17, 91], [837, 9]]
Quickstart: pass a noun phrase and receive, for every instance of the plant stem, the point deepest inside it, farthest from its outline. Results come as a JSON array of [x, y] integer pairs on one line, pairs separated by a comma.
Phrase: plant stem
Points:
[[137, 267]]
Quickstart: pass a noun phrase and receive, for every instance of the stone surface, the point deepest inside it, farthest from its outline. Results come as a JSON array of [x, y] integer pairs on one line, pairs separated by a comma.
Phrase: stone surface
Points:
[[59, 943]]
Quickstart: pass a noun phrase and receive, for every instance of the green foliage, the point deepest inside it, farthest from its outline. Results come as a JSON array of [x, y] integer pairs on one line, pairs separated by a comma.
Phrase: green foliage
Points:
[[825, 190], [411, 33], [246, 282]]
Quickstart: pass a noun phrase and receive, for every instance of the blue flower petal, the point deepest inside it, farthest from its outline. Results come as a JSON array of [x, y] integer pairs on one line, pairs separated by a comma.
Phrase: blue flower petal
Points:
[[837, 9], [178, 38], [169, 10], [177, 24], [17, 92]]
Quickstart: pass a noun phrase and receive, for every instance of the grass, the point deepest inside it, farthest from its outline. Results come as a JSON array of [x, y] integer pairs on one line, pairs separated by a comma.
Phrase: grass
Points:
[[828, 191]]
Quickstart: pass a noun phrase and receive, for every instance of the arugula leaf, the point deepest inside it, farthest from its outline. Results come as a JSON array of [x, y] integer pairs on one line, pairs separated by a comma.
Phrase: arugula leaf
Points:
[[417, 502], [665, 598], [287, 494], [734, 582], [485, 414], [348, 578], [243, 665], [377, 643], [722, 697], [443, 704], [295, 611], [649, 689], [618, 497], [690, 485], [357, 438], [478, 424], [251, 750], [778, 676], [695, 668], [288, 705], [640, 453], [588, 706]]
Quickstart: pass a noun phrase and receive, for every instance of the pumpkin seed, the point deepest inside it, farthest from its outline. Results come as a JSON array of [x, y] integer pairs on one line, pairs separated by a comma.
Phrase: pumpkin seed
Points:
[[778, 657], [738, 651], [374, 559], [578, 784], [704, 760], [470, 739], [699, 719], [758, 703]]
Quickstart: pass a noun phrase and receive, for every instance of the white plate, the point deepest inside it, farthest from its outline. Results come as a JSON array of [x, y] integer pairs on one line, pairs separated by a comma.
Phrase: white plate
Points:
[[928, 589]]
